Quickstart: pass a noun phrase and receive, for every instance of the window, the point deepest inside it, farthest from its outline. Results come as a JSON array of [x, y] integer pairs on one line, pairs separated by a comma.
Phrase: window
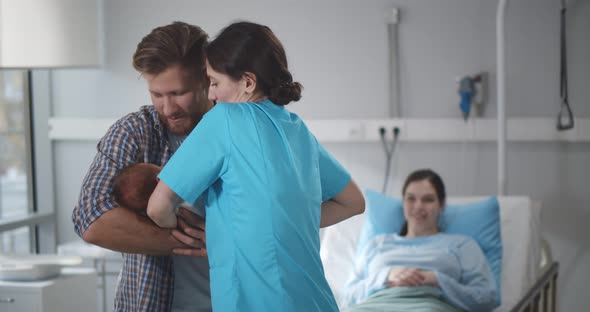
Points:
[[16, 176], [16, 241]]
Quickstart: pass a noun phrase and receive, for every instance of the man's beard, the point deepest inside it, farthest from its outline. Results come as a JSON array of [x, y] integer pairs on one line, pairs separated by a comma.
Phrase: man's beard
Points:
[[185, 127]]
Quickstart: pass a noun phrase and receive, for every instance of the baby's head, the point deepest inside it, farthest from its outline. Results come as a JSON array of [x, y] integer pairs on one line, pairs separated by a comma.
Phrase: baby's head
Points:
[[134, 185]]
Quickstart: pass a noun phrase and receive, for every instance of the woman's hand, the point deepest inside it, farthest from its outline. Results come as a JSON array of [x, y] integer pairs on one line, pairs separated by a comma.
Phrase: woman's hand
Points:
[[430, 278], [403, 276]]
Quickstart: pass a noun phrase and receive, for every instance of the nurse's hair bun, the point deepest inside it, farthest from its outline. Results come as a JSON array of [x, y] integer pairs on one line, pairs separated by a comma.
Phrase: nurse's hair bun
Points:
[[286, 93]]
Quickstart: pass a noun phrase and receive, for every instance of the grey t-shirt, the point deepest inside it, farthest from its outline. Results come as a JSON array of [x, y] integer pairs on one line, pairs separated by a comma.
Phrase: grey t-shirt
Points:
[[191, 275], [191, 285]]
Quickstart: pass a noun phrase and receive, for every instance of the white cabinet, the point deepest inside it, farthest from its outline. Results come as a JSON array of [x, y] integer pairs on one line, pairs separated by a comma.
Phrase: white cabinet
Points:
[[73, 290]]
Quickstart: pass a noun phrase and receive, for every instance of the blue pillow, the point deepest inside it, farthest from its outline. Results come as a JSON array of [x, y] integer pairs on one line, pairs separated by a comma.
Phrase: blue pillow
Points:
[[479, 220], [383, 215]]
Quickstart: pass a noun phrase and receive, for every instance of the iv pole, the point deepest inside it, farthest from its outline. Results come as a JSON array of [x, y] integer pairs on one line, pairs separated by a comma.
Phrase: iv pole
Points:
[[501, 72]]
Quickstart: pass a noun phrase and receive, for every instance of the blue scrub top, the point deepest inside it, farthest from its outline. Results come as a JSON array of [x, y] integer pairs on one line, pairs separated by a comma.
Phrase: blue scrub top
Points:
[[264, 177]]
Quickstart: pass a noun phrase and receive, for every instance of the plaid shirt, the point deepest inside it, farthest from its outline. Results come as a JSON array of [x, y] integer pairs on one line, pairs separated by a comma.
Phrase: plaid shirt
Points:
[[146, 282]]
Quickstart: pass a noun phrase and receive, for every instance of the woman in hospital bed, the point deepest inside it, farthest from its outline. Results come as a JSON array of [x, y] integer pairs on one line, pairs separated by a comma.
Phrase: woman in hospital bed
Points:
[[421, 268]]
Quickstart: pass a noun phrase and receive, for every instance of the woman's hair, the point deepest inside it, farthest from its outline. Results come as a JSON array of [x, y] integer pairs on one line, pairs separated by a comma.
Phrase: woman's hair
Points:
[[248, 47], [175, 44], [436, 182]]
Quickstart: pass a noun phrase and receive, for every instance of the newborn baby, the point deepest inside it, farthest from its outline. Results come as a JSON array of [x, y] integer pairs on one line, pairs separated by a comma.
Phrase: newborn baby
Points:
[[134, 185]]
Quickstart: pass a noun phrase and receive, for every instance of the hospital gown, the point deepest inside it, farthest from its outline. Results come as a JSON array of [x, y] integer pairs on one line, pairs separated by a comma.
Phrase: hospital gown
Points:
[[462, 271], [264, 176]]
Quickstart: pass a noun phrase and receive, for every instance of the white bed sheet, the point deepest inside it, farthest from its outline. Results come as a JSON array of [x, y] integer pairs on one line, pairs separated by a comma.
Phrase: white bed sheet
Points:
[[520, 221]]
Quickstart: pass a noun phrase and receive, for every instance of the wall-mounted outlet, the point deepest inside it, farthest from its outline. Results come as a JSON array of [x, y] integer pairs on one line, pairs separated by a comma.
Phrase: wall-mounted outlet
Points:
[[341, 130], [373, 129]]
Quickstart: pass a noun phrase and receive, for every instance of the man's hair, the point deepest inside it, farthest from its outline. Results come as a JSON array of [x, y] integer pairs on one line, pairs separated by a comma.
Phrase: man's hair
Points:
[[176, 44]]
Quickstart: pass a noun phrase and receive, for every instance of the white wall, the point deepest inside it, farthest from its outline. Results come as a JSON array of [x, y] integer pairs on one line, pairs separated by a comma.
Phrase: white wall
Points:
[[338, 49]]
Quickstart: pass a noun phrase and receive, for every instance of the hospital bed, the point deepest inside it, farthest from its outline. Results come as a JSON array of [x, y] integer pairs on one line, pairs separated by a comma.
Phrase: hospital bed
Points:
[[529, 275]]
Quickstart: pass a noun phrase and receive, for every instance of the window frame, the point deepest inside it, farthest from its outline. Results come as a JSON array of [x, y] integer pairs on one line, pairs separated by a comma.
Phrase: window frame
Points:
[[40, 220]]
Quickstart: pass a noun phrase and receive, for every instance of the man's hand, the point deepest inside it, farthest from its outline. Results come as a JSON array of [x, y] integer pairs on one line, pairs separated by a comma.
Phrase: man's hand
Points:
[[405, 277], [191, 232]]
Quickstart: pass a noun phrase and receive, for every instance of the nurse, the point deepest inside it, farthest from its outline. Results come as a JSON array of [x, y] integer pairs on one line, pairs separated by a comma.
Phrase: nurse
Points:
[[268, 184]]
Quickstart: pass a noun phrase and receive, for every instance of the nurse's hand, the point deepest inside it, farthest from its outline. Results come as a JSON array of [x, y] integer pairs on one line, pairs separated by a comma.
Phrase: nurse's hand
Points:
[[191, 232]]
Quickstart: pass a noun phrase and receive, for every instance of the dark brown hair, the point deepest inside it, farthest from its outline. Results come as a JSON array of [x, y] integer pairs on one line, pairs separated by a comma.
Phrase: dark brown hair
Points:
[[436, 182], [134, 185], [248, 47], [176, 44]]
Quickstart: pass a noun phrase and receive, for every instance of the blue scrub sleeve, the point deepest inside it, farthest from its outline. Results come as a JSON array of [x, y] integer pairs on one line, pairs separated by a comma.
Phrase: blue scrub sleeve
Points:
[[201, 158], [333, 176]]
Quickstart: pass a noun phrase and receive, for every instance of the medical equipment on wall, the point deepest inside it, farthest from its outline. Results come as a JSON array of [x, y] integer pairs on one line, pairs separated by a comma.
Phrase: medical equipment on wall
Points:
[[472, 93], [389, 148], [565, 118], [394, 94]]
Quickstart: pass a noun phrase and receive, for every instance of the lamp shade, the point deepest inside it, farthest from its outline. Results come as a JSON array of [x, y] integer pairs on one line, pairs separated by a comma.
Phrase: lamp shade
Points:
[[50, 33]]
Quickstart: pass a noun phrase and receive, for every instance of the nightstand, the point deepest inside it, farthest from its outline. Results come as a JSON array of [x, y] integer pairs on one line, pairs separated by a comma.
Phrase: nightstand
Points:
[[73, 290]]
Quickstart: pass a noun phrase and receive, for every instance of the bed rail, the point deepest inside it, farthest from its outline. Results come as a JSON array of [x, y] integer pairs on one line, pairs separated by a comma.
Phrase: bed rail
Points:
[[541, 297]]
